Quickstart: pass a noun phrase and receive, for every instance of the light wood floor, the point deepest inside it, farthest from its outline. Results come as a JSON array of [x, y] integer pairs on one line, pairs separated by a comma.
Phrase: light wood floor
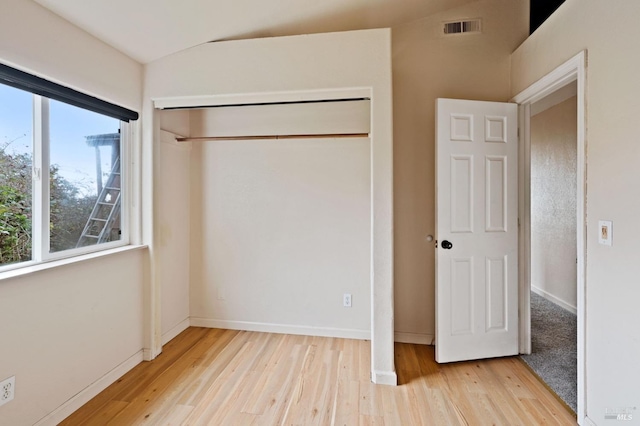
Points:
[[223, 377]]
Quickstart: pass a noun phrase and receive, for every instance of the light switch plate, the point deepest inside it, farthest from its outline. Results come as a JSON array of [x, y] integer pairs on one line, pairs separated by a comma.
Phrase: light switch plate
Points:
[[605, 232]]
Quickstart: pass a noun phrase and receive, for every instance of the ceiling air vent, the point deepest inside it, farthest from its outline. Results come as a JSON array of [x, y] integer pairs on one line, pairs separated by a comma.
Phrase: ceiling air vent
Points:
[[462, 27]]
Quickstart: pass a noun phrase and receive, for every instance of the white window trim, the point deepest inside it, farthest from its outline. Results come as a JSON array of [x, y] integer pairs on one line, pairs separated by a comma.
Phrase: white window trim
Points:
[[30, 267]]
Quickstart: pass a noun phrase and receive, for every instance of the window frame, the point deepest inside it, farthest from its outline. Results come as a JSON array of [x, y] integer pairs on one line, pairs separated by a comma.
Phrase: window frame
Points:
[[41, 206]]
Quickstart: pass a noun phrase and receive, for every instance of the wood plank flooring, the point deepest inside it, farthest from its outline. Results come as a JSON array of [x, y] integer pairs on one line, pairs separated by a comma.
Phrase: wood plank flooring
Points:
[[224, 377]]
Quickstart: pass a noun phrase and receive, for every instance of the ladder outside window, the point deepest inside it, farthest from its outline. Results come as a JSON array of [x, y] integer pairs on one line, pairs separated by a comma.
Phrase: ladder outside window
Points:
[[103, 224]]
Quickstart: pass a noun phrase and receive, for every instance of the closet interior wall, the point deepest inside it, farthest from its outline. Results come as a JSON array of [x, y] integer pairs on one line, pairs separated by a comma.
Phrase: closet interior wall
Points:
[[273, 223]]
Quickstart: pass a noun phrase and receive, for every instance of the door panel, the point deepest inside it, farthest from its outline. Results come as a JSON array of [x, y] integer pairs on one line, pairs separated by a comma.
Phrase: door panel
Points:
[[462, 193], [476, 222], [495, 193]]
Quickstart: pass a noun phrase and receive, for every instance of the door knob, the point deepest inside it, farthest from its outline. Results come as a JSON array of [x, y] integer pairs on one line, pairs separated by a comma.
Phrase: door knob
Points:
[[446, 245]]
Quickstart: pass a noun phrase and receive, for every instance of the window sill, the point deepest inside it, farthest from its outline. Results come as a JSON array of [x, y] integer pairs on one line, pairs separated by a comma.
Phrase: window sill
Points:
[[26, 270]]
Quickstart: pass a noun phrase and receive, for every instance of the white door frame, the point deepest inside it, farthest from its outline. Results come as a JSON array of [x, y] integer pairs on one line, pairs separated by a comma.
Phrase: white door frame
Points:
[[572, 70]]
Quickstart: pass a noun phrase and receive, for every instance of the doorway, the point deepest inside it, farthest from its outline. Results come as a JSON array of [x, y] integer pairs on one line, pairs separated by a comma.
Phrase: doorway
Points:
[[553, 154], [378, 194], [572, 72]]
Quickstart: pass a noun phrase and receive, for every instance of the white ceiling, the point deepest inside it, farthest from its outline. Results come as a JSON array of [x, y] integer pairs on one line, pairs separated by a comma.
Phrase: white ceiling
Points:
[[150, 29]]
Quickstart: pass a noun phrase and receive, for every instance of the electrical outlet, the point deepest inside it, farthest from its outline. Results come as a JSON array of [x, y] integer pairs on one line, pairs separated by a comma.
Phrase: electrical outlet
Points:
[[346, 300], [7, 390]]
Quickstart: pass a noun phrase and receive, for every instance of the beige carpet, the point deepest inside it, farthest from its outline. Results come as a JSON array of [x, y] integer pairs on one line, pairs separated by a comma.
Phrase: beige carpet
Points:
[[554, 348]]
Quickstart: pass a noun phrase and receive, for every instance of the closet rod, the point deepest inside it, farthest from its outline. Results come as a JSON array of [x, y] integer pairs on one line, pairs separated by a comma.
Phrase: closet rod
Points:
[[316, 101], [273, 137]]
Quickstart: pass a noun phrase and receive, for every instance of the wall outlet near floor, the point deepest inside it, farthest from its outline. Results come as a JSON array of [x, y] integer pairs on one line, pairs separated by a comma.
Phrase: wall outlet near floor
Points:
[[7, 390], [346, 300]]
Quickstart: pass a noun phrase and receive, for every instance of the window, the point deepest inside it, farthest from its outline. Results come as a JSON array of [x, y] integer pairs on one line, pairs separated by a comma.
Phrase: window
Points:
[[84, 172], [62, 183]]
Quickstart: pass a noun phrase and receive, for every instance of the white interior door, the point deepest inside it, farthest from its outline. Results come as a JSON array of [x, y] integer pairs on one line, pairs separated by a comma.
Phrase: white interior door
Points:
[[477, 229]]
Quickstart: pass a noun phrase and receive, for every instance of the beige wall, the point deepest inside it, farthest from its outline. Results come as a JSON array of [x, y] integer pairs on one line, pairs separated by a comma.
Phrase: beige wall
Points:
[[173, 227], [610, 34], [285, 232], [173, 234], [427, 66], [553, 203], [36, 40], [65, 327], [177, 122], [284, 223], [286, 119], [353, 60]]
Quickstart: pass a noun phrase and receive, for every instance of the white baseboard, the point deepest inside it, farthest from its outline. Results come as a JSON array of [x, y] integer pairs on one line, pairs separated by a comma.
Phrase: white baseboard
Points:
[[384, 378], [169, 335], [553, 299], [282, 328], [415, 338], [85, 395], [589, 422]]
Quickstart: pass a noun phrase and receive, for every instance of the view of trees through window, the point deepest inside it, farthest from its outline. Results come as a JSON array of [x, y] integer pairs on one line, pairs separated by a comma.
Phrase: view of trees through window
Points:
[[15, 205], [16, 145], [84, 176]]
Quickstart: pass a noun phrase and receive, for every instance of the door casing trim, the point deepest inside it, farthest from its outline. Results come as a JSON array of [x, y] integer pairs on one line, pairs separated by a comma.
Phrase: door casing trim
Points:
[[572, 70]]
